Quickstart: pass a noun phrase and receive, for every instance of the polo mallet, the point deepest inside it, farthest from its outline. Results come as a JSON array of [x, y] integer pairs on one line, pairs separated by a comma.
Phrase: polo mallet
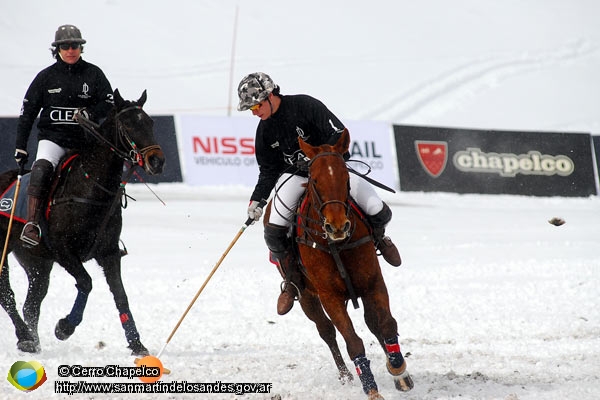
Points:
[[248, 222], [12, 215]]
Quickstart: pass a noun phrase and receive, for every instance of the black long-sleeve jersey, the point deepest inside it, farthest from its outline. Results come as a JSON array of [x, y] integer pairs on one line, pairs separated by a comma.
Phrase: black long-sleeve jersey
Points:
[[276, 142], [58, 91]]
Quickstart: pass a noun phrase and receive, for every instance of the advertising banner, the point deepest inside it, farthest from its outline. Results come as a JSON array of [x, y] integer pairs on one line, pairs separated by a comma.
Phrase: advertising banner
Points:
[[164, 131], [596, 141], [494, 162], [372, 143], [8, 132], [220, 150]]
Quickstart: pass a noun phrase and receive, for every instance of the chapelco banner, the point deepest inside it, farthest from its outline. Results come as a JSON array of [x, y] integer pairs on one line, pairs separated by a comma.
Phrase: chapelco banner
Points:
[[494, 162]]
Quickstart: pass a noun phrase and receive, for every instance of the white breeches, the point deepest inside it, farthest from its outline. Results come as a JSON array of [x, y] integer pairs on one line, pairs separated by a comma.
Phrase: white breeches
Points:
[[289, 188], [50, 151]]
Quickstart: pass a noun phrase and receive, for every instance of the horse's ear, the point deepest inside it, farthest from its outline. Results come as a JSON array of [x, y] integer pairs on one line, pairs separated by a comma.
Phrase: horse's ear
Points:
[[306, 148], [142, 99], [118, 99], [343, 143]]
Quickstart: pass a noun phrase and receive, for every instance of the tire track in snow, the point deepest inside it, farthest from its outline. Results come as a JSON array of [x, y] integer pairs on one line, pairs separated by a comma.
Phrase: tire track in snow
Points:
[[445, 91]]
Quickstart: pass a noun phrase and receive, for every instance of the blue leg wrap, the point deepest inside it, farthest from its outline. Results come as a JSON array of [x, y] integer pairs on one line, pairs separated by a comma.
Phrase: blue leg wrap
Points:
[[76, 314], [363, 369]]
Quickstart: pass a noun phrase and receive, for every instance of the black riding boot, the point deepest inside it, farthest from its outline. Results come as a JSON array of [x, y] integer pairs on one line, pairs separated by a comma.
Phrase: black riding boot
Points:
[[383, 243], [41, 175], [279, 244]]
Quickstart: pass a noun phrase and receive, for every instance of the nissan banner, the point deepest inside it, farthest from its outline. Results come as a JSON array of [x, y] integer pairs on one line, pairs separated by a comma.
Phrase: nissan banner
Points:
[[220, 150]]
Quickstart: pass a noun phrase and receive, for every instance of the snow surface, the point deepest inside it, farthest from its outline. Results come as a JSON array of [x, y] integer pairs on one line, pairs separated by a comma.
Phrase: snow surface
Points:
[[492, 301]]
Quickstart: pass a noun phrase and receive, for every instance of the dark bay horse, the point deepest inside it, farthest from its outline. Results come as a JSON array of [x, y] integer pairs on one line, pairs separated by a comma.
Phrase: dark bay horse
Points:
[[83, 222], [340, 264]]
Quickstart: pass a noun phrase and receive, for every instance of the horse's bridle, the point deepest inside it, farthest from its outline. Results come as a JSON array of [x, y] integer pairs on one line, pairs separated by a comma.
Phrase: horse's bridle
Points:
[[122, 139], [334, 247], [315, 193], [135, 155], [317, 200]]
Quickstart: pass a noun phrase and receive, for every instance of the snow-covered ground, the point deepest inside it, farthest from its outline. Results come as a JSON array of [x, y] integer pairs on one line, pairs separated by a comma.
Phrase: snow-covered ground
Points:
[[492, 301]]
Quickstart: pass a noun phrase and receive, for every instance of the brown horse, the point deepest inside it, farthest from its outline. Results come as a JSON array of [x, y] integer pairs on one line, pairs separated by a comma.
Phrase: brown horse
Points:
[[340, 263]]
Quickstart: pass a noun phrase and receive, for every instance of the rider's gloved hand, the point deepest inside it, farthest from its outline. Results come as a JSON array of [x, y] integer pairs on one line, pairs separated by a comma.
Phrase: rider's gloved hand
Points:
[[21, 157], [302, 163], [255, 210]]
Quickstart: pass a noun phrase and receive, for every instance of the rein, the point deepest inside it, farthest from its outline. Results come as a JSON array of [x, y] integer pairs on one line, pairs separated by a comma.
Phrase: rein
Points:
[[134, 155], [120, 194], [333, 248], [312, 189]]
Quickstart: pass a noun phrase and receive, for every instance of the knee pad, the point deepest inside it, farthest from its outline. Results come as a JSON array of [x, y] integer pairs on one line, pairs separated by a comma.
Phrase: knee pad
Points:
[[41, 175], [276, 238], [382, 218]]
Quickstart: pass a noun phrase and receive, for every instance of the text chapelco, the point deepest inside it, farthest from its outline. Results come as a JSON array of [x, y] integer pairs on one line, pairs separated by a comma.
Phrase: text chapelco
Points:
[[509, 165]]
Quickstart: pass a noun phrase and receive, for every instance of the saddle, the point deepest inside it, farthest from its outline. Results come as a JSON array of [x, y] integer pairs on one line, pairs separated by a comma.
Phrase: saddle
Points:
[[20, 214], [7, 200]]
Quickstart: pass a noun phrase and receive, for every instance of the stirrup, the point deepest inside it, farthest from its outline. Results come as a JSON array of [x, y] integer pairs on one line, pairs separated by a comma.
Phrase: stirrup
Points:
[[282, 287], [26, 239], [123, 251]]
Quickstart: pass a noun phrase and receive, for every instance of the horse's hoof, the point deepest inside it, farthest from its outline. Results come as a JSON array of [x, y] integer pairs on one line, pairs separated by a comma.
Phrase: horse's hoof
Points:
[[138, 349], [345, 377], [404, 382], [374, 395], [29, 346], [402, 378], [64, 329]]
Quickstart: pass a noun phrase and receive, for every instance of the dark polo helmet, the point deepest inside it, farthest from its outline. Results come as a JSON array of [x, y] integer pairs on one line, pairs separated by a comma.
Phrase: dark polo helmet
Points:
[[67, 34]]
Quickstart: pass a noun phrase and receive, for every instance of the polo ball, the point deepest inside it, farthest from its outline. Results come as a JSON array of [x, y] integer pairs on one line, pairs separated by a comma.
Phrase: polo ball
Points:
[[150, 362]]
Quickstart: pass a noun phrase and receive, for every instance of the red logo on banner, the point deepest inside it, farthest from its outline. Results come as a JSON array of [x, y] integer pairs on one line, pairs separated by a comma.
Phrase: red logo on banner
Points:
[[433, 156], [223, 145]]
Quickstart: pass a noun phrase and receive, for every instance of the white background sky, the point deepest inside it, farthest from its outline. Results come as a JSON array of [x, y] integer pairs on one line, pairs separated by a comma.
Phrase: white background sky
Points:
[[492, 301], [511, 64]]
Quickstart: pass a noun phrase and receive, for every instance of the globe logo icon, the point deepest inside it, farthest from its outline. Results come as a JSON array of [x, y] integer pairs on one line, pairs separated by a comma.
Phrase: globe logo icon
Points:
[[26, 376]]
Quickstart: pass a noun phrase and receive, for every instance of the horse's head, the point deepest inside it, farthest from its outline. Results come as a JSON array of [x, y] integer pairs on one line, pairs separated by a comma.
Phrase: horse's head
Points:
[[328, 185], [134, 134]]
